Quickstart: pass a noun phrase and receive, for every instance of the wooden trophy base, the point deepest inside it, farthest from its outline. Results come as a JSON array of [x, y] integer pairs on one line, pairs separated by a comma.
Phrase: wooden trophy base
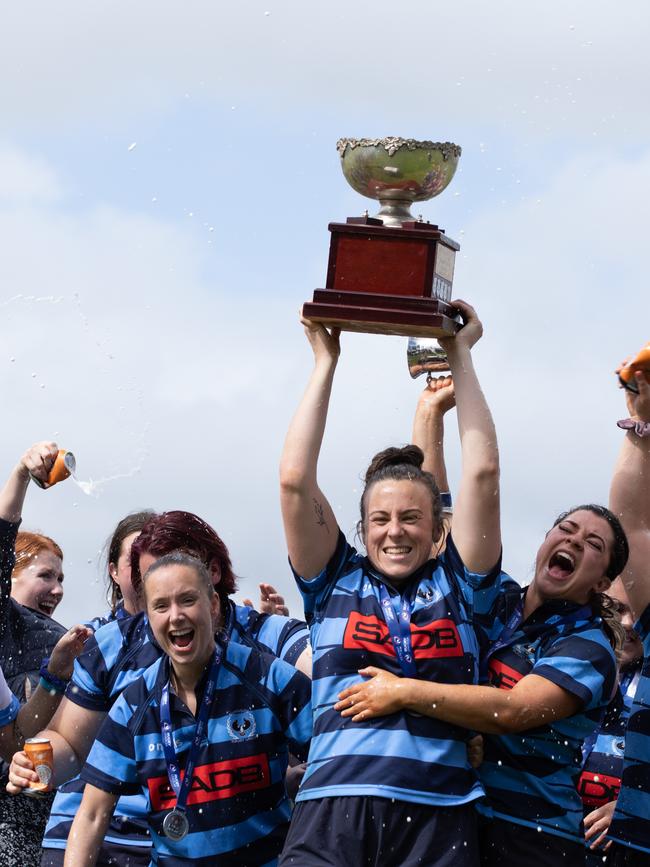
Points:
[[382, 314], [388, 280]]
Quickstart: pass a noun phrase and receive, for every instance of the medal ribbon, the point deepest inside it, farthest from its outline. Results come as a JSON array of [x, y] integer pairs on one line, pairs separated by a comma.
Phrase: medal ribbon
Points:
[[397, 614], [182, 789]]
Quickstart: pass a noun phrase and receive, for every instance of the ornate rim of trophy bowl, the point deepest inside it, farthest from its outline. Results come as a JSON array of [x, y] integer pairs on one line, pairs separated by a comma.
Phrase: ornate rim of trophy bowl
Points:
[[397, 171]]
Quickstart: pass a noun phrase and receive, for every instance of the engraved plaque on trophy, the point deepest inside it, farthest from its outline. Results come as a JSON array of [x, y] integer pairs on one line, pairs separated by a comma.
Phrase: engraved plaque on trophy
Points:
[[391, 273]]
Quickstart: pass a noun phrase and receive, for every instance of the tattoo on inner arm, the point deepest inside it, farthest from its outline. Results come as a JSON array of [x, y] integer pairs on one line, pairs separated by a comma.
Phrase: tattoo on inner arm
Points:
[[320, 514]]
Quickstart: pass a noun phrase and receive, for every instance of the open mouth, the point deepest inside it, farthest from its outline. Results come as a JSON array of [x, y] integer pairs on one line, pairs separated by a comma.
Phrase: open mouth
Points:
[[561, 565], [397, 550], [46, 607], [181, 638]]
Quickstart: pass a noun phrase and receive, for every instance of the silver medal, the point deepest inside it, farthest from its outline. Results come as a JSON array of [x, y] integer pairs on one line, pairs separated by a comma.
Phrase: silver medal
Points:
[[175, 825]]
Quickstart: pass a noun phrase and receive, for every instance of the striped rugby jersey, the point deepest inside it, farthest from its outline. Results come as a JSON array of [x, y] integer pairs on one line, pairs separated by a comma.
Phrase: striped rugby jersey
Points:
[[237, 807], [530, 778], [402, 756], [631, 823], [602, 753], [113, 658]]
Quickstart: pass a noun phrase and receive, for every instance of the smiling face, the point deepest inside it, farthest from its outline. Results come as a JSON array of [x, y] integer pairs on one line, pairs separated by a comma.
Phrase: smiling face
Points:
[[574, 558], [40, 584], [398, 530], [182, 615]]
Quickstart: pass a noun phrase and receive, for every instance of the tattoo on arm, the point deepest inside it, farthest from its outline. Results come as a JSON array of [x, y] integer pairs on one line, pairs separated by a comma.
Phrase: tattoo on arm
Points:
[[320, 515]]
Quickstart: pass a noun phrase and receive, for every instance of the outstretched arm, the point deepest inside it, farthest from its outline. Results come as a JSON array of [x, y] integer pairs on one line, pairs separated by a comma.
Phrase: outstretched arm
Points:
[[309, 523], [629, 497], [38, 460], [477, 524], [533, 701], [429, 427]]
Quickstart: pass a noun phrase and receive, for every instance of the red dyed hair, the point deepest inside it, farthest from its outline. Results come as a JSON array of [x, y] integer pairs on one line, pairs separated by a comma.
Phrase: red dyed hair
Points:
[[30, 545], [184, 531]]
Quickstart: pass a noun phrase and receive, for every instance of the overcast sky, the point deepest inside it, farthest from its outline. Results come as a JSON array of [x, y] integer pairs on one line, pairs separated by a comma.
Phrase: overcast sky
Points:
[[167, 174]]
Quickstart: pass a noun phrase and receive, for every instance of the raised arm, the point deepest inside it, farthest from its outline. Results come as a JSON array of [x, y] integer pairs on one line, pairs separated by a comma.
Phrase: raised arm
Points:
[[477, 525], [309, 523], [429, 427], [38, 461], [629, 496]]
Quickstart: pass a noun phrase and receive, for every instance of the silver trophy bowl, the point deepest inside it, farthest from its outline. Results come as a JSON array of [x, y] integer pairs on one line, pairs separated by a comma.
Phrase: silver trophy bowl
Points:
[[425, 355], [397, 172]]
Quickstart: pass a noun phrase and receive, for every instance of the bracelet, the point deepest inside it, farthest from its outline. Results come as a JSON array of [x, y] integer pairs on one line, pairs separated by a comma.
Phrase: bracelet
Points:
[[50, 681], [640, 428]]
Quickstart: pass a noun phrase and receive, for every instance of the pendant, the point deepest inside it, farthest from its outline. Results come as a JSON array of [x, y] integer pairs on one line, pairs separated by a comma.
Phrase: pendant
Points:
[[175, 825]]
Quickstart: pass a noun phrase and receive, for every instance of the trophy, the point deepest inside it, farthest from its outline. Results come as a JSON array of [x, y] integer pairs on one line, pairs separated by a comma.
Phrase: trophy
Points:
[[391, 273]]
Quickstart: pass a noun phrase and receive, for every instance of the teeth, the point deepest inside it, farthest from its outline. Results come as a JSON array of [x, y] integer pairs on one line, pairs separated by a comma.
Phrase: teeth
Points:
[[180, 632], [402, 550], [568, 559]]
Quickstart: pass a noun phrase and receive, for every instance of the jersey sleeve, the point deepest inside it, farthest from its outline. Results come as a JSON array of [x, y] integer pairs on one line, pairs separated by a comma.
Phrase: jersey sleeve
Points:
[[582, 663], [111, 764], [285, 637], [89, 686], [315, 590], [9, 704], [291, 690], [8, 531]]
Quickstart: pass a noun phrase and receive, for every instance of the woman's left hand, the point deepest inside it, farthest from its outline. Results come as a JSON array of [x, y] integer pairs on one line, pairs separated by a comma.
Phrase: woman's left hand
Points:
[[381, 695], [597, 826]]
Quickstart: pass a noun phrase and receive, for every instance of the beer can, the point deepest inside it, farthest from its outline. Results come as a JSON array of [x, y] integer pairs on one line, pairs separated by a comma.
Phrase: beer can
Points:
[[641, 361], [63, 466], [41, 755]]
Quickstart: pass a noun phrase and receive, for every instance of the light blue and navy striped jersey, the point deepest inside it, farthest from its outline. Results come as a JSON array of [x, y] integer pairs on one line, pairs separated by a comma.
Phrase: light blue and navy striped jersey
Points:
[[602, 752], [530, 778], [237, 807], [117, 655], [631, 823], [403, 756]]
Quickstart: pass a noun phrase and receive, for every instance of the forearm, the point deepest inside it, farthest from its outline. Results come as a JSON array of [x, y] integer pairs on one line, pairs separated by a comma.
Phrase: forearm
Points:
[[298, 465], [88, 829], [429, 434], [629, 496], [12, 495], [481, 708], [36, 713]]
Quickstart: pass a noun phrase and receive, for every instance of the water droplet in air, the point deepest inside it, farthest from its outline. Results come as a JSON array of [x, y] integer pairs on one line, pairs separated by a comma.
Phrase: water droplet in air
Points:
[[132, 146]]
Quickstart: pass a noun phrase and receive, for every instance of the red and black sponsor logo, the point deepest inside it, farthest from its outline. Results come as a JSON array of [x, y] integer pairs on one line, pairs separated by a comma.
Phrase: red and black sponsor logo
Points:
[[503, 676], [433, 640], [214, 782], [598, 789]]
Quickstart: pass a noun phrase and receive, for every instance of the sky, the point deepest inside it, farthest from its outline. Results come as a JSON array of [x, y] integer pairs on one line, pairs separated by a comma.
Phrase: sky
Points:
[[167, 175]]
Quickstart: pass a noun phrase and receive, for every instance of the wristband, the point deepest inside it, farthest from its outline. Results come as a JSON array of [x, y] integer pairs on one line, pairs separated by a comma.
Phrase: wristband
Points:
[[640, 428], [50, 681]]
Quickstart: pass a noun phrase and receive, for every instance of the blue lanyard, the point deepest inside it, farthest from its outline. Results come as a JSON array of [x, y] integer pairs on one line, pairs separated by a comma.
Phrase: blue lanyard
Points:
[[182, 789], [397, 614], [510, 628]]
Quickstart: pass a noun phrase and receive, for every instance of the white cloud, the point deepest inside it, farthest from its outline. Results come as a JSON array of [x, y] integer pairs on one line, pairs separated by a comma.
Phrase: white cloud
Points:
[[24, 178]]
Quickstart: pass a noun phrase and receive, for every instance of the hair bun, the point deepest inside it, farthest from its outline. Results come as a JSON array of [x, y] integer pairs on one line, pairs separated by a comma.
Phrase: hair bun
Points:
[[392, 457]]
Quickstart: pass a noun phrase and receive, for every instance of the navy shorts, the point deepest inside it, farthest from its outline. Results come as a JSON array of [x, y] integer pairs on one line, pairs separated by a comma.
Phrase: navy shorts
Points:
[[110, 855], [504, 842], [356, 831]]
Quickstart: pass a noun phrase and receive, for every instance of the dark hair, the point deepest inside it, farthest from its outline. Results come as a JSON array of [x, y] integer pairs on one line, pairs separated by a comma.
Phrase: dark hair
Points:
[[184, 531], [603, 605], [132, 523], [180, 558], [398, 465]]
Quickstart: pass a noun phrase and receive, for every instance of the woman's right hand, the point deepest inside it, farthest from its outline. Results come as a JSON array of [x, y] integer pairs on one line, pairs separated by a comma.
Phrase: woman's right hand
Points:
[[38, 460], [21, 773], [325, 344], [470, 332]]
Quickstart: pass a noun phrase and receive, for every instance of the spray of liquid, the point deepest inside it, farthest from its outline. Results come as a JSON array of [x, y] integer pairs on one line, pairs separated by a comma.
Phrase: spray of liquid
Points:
[[95, 487]]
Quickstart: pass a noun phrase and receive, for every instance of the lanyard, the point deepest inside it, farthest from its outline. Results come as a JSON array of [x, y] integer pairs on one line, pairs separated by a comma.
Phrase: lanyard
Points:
[[182, 789], [510, 628], [627, 686], [397, 614]]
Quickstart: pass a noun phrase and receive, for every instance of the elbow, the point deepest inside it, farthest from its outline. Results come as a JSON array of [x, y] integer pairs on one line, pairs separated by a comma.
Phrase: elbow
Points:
[[293, 479]]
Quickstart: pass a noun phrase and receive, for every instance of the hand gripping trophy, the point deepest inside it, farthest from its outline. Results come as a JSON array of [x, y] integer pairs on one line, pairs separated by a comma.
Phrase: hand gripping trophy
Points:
[[393, 273]]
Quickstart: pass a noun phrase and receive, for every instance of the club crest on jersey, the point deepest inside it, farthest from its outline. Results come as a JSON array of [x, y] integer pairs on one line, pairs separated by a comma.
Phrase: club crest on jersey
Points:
[[241, 725], [429, 595]]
